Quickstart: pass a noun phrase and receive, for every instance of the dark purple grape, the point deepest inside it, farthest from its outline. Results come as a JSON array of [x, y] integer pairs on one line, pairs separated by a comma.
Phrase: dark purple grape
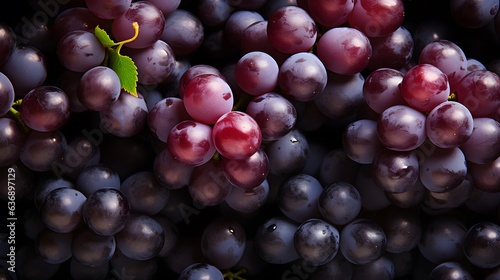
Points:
[[141, 239], [183, 32], [288, 154], [316, 241], [237, 22], [473, 14], [246, 173], [125, 117], [274, 241], [450, 270], [99, 87], [81, 153], [362, 241], [96, 177], [213, 13], [7, 94], [164, 115], [12, 139], [144, 193], [8, 42], [201, 271], [45, 108], [482, 244], [123, 267], [395, 171], [248, 200], [76, 18], [54, 247], [298, 197], [92, 249], [339, 203], [80, 51], [338, 268], [170, 172], [223, 242], [393, 51], [171, 235], [45, 186], [61, 210], [106, 211], [208, 185], [442, 239], [42, 149], [108, 9], [26, 69], [31, 266]]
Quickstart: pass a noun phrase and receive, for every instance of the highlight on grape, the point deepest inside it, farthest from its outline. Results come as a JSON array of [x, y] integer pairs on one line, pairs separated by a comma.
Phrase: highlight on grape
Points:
[[241, 140]]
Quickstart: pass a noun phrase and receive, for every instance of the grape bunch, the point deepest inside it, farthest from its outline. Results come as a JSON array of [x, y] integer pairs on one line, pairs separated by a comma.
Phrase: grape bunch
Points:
[[238, 140]]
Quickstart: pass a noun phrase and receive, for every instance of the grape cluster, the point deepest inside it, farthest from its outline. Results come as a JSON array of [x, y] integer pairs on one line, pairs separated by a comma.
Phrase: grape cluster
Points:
[[263, 139]]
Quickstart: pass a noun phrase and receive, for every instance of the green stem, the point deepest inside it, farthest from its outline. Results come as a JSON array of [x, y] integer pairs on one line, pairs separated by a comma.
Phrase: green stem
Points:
[[229, 275], [135, 25], [17, 114]]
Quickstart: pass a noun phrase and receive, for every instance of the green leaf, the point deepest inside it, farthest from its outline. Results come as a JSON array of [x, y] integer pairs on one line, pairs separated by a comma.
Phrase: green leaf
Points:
[[104, 37], [126, 70]]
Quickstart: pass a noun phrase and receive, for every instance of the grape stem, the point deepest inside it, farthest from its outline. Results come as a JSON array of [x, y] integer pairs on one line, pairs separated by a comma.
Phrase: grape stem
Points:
[[229, 275], [17, 115], [120, 44]]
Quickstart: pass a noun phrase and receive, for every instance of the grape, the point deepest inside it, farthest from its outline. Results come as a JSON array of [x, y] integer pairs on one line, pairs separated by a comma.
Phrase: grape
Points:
[[99, 87], [424, 86], [79, 51], [483, 144], [106, 211], [481, 244], [450, 199], [362, 241], [169, 172], [473, 14], [339, 203], [330, 13], [256, 39], [26, 69], [298, 197], [479, 91], [443, 169], [126, 116], [302, 76], [449, 124], [335, 167], [291, 29], [42, 149], [164, 115], [166, 7], [401, 128], [183, 32], [191, 143], [151, 23], [79, 271], [123, 266], [381, 89], [214, 13], [448, 57], [450, 270], [236, 135], [248, 200], [316, 241], [12, 139], [170, 234], [8, 39], [7, 94], [274, 240], [256, 73], [201, 271], [381, 268], [247, 173], [208, 186], [373, 197], [194, 71], [344, 50], [223, 242], [337, 268], [402, 228], [61, 210], [236, 23], [154, 63], [141, 239], [145, 194], [275, 115], [91, 249], [376, 18], [361, 141], [108, 9], [96, 177], [76, 18], [54, 247], [45, 186], [442, 239], [485, 176], [394, 50], [474, 64], [207, 97], [412, 197], [395, 171], [342, 96]]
